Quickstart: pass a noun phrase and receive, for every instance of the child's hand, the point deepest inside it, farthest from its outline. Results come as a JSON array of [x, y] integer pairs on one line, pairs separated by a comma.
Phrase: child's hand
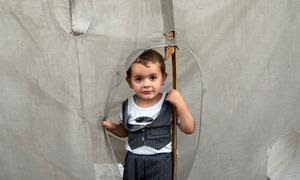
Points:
[[187, 123], [175, 98], [108, 124], [116, 129]]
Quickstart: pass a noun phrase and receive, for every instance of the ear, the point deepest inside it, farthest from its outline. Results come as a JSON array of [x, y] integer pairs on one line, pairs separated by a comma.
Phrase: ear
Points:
[[129, 82], [164, 78]]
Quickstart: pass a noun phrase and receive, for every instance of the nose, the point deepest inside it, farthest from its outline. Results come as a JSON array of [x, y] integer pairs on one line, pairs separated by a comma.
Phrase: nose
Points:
[[146, 83]]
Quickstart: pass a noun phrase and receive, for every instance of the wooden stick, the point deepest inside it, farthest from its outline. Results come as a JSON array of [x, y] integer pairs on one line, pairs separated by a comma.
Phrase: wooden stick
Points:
[[174, 117], [171, 51]]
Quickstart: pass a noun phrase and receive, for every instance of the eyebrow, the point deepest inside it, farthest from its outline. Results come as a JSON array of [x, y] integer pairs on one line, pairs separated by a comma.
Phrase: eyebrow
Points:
[[139, 75], [153, 74]]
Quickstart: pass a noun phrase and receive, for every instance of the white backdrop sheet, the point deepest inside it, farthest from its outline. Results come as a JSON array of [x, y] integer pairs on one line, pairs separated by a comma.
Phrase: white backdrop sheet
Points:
[[58, 59]]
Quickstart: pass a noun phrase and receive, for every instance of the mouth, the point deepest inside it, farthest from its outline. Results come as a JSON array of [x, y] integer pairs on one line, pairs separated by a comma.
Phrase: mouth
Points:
[[146, 92]]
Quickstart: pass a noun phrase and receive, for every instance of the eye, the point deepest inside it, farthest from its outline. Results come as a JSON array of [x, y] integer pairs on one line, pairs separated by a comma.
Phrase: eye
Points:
[[153, 77], [138, 79]]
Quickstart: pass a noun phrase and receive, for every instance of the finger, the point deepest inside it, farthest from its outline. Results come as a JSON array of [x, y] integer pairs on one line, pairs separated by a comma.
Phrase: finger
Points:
[[168, 96], [174, 91], [169, 99], [170, 92]]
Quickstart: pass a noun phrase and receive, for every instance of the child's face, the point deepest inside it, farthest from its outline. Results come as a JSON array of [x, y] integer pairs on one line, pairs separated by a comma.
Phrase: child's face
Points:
[[146, 81]]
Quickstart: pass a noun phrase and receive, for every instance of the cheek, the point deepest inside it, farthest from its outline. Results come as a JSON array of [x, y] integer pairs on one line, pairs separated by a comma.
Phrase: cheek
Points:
[[158, 85], [137, 85]]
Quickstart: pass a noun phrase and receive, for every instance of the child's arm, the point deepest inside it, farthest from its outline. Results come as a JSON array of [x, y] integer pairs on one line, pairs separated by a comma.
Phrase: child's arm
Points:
[[187, 123], [116, 129]]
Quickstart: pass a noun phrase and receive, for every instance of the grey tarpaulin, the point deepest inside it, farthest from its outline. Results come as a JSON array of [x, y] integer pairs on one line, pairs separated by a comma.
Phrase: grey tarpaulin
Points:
[[54, 85], [82, 13], [283, 161]]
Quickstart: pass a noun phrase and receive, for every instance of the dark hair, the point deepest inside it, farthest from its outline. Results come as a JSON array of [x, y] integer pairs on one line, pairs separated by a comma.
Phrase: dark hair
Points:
[[147, 56]]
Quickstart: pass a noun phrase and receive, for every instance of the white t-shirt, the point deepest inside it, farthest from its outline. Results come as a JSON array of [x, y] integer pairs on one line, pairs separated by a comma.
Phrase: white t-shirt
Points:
[[135, 111]]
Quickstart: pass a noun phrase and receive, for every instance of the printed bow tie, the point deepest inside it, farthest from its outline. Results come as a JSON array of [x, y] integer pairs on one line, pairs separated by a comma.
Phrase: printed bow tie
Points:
[[134, 127], [143, 119]]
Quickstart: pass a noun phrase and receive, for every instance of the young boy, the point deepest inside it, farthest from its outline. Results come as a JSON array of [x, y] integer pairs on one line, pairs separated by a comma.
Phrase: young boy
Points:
[[146, 120]]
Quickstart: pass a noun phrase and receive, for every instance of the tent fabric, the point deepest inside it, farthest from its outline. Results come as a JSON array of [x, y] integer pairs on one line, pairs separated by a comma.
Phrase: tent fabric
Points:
[[81, 16], [56, 83], [283, 161]]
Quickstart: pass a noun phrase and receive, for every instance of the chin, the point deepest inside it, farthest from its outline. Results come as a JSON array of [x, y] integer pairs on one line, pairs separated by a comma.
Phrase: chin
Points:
[[148, 97]]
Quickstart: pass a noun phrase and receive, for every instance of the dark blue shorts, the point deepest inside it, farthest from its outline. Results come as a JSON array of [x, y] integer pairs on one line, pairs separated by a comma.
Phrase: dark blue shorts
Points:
[[148, 167]]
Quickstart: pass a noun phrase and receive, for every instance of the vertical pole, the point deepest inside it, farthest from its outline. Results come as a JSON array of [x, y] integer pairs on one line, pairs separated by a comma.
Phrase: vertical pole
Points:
[[174, 117]]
